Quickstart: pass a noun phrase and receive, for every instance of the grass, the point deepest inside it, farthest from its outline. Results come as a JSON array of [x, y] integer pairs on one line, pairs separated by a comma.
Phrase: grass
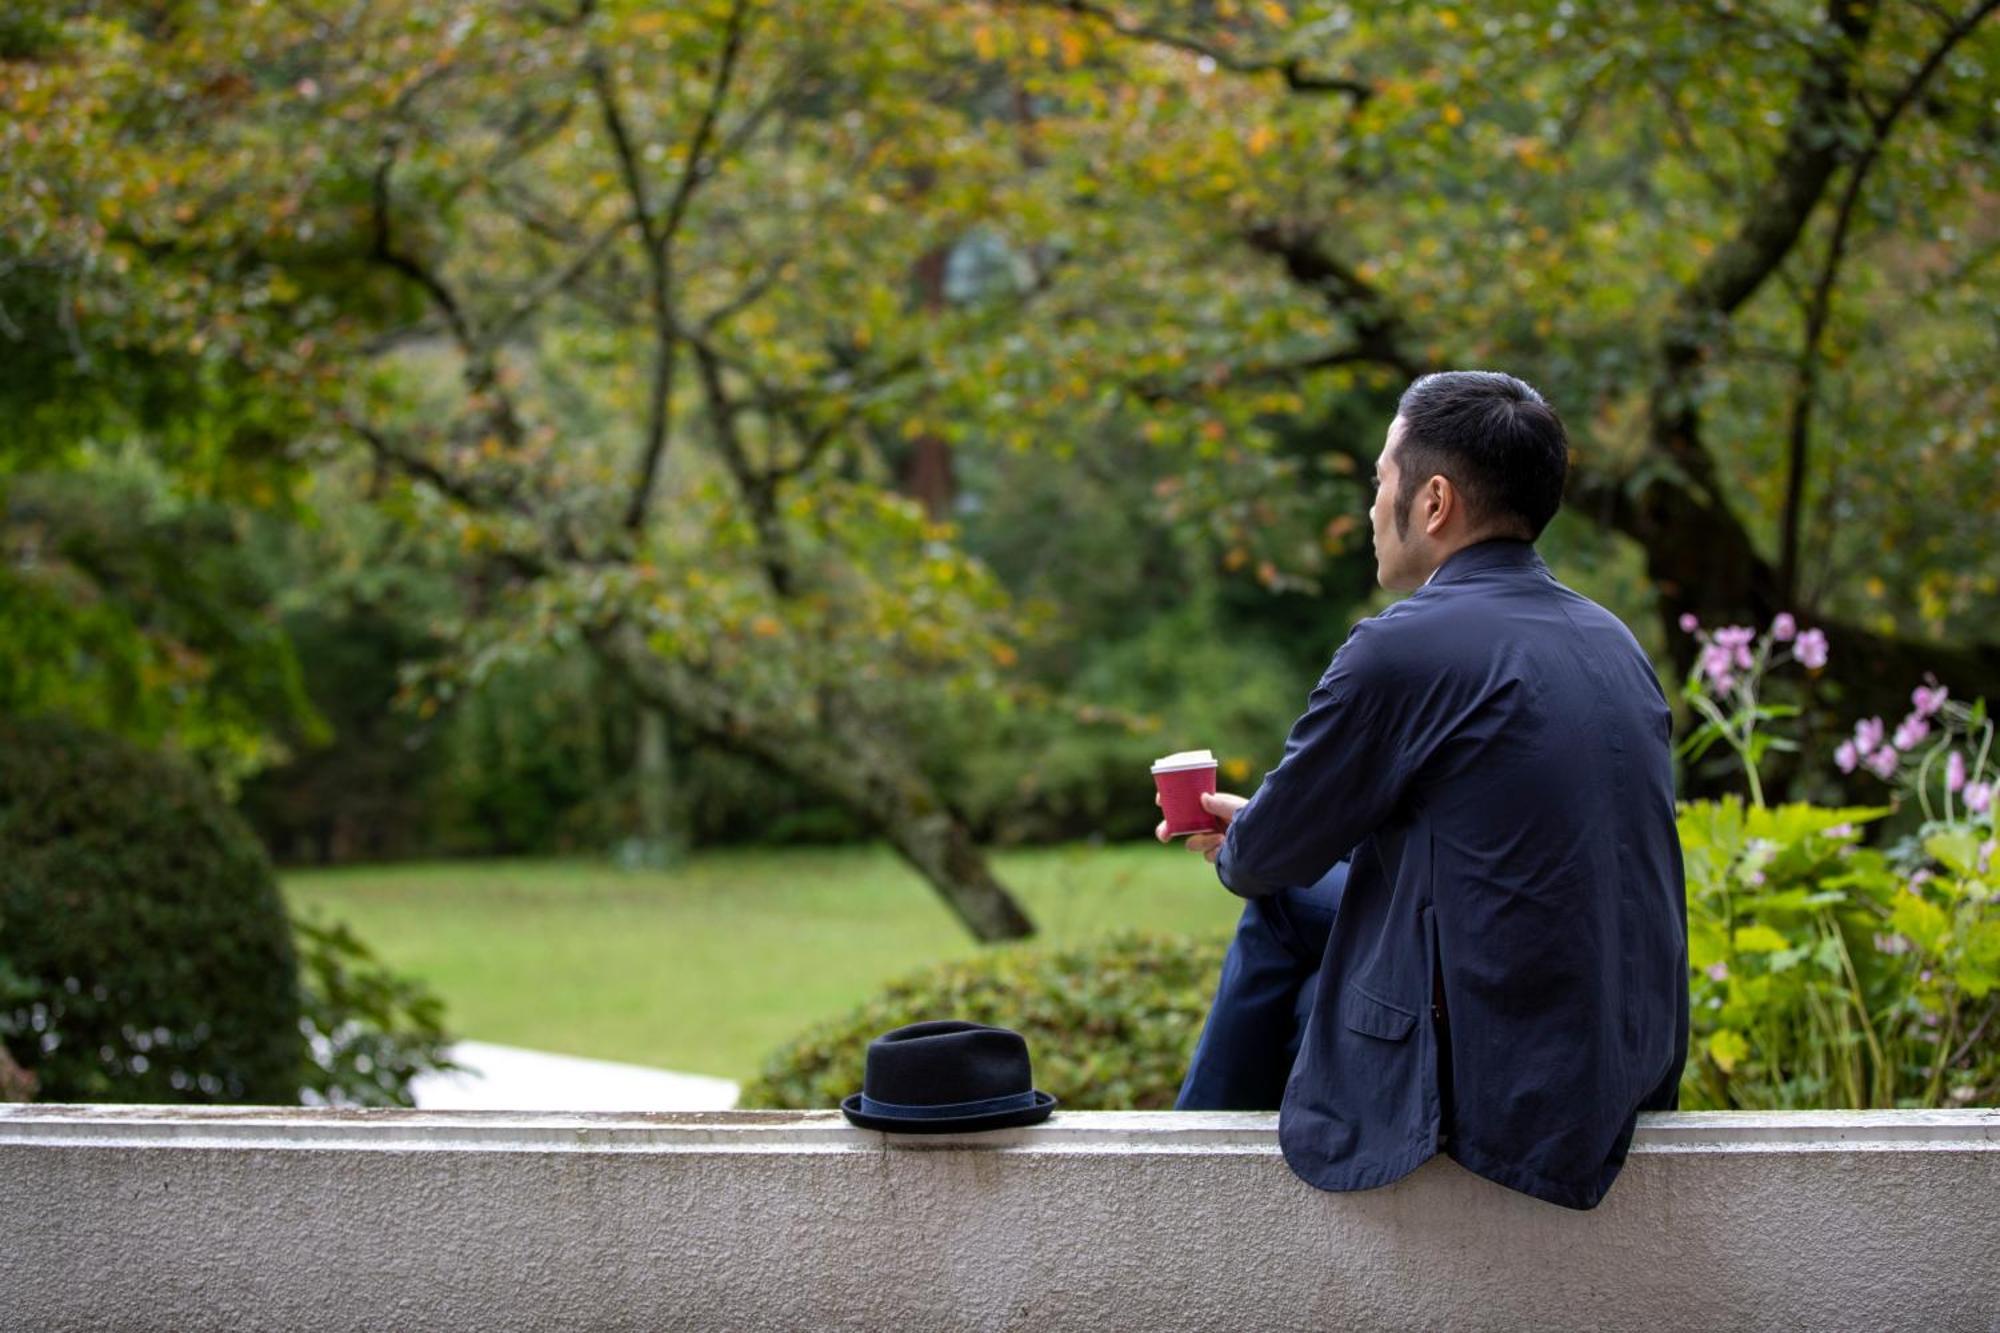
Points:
[[707, 967]]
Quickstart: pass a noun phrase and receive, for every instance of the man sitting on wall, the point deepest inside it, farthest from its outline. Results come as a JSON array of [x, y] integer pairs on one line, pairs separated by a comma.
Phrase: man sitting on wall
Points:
[[1505, 977]]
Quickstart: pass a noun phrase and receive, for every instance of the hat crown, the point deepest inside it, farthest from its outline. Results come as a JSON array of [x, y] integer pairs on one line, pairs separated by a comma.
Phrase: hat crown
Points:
[[944, 1062]]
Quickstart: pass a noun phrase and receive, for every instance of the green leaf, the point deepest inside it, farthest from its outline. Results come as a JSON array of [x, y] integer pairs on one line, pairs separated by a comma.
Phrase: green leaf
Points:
[[1760, 939], [1958, 849], [1728, 1049], [1707, 945], [1923, 922], [1783, 960]]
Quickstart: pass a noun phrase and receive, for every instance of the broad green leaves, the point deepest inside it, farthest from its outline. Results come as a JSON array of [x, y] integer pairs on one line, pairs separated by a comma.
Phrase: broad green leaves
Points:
[[1824, 974]]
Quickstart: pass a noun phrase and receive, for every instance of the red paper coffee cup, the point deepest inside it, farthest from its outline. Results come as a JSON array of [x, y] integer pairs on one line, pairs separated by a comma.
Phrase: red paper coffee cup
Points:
[[1182, 780]]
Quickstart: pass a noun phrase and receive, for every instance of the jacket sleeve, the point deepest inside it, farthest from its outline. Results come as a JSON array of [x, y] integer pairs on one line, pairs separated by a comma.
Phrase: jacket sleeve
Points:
[[1346, 765]]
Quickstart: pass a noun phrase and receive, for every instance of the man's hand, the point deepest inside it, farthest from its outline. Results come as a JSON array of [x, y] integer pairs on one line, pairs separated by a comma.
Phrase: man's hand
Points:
[[1223, 805]]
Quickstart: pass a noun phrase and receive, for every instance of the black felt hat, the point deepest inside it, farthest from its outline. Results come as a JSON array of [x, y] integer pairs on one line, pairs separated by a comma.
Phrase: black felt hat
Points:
[[947, 1077]]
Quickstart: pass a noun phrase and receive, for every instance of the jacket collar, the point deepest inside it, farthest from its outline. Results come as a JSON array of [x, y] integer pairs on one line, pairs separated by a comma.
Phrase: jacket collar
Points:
[[1497, 553]]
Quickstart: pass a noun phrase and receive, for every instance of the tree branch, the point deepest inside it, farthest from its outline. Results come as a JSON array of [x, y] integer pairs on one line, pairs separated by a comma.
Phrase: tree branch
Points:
[[657, 232], [794, 407], [560, 280], [1679, 494], [411, 464], [1819, 310], [1153, 390], [693, 166], [757, 487], [1380, 333], [481, 377], [1292, 69]]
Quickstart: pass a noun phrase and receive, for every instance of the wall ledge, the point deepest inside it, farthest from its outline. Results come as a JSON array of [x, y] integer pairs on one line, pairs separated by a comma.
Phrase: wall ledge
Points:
[[1142, 1133], [194, 1218]]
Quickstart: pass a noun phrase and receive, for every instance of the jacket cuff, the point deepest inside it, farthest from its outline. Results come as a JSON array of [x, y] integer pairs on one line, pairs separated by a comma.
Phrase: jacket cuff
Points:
[[1235, 876]]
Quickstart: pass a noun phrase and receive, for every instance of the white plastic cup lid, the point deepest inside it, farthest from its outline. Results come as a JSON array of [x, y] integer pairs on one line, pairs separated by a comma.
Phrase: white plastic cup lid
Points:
[[1185, 759]]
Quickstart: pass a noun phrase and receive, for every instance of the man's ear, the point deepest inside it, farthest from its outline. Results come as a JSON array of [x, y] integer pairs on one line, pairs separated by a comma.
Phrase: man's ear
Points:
[[1440, 502]]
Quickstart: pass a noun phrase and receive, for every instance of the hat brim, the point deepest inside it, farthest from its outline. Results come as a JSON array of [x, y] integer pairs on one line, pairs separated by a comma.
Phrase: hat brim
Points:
[[971, 1124]]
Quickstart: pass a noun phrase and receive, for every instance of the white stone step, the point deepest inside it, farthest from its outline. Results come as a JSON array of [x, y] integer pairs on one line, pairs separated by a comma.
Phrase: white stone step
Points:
[[508, 1078]]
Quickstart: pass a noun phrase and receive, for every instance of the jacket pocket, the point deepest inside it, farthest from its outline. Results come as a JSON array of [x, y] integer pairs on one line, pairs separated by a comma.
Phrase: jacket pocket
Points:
[[1372, 1017]]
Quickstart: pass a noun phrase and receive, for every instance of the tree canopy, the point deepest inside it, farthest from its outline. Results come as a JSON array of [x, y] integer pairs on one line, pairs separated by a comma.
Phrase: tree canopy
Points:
[[679, 329]]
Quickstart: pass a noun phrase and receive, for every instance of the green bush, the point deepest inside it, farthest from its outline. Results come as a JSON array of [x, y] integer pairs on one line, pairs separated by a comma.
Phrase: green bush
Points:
[[369, 1031], [1826, 973], [1110, 1025], [153, 955]]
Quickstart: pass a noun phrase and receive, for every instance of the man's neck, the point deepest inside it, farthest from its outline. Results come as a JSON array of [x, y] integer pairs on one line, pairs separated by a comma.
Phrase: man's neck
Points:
[[1446, 558], [1466, 546]]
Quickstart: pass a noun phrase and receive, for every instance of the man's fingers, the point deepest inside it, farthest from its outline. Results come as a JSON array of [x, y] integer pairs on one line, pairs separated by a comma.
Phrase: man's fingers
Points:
[[1160, 831]]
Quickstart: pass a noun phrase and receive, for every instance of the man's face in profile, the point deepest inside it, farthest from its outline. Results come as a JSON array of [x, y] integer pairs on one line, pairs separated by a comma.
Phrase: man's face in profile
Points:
[[1398, 561]]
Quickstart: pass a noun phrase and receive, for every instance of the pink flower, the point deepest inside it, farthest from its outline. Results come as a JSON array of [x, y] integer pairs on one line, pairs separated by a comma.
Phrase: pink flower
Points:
[[1718, 971], [1882, 763], [1688, 623], [1891, 944], [1910, 732], [1737, 640], [1868, 736], [1810, 649], [1840, 831], [1718, 664], [1846, 758], [1978, 797], [1784, 628], [1926, 702], [1954, 773]]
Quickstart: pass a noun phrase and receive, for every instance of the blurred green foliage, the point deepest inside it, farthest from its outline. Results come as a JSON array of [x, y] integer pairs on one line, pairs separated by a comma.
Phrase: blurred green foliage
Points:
[[369, 1031], [146, 956], [1827, 973], [1110, 1025], [145, 921]]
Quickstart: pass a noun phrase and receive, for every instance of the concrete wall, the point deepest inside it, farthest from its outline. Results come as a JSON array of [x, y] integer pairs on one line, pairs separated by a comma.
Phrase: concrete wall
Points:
[[156, 1218]]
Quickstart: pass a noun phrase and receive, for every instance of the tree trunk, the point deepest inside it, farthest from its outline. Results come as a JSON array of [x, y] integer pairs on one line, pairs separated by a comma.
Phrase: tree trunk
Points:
[[843, 763], [1701, 560], [659, 842], [926, 472], [1699, 555]]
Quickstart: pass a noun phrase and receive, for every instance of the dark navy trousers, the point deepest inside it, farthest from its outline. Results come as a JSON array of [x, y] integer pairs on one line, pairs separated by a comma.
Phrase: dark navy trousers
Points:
[[1268, 981]]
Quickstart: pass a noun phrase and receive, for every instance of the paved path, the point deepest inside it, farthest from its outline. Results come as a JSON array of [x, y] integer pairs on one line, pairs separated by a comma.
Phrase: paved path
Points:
[[507, 1078]]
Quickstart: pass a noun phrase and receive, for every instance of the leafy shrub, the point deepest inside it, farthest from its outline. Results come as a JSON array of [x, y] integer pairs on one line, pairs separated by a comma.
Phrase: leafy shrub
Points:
[[1831, 974], [145, 954], [1827, 973], [369, 1031], [142, 920], [1110, 1025]]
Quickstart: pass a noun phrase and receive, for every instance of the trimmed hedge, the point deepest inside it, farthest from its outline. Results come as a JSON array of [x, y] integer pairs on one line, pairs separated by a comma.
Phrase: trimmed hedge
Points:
[[1110, 1025], [150, 954]]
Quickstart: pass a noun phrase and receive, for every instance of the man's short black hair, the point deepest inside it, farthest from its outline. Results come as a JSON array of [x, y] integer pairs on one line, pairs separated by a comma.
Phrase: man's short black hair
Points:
[[1502, 447]]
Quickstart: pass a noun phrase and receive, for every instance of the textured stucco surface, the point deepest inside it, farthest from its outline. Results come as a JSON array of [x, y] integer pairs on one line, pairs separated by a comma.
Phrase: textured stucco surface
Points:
[[154, 1218]]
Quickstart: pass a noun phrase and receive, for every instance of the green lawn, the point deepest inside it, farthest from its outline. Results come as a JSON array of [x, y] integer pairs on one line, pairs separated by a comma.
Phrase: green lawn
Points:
[[706, 968]]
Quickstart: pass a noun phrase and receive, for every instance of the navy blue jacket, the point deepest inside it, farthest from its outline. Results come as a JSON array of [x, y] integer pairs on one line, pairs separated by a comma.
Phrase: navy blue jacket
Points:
[[1494, 752]]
